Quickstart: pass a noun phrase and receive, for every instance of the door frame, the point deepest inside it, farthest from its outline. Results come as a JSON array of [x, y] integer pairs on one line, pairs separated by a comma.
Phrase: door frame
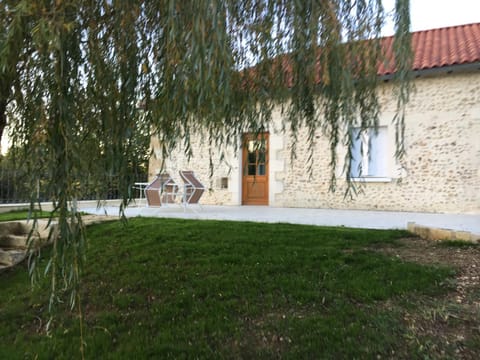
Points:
[[249, 136]]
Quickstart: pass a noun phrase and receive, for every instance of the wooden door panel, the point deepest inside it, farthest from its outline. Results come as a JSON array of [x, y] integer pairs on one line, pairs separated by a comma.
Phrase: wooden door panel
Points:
[[256, 190]]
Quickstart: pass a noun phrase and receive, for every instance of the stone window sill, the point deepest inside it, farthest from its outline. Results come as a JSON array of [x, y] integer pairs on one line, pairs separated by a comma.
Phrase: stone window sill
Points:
[[372, 179]]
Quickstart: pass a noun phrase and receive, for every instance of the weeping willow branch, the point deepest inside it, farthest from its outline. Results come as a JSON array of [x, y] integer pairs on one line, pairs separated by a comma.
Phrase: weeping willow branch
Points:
[[74, 74]]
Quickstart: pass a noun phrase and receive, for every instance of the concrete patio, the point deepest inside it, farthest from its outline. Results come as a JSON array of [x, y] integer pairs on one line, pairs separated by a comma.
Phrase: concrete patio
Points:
[[322, 217]]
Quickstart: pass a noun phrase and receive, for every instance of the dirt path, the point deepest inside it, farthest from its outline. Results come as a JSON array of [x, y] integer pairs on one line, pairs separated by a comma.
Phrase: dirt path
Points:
[[447, 326]]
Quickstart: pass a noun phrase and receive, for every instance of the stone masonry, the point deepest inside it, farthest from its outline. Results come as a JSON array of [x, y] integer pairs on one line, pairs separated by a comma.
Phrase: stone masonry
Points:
[[440, 172]]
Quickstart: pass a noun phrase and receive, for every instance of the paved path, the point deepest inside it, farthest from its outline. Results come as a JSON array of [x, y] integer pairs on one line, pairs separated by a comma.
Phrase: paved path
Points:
[[325, 217]]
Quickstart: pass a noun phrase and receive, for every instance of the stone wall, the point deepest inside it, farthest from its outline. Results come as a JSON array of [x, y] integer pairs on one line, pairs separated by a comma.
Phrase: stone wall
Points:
[[200, 164], [440, 173]]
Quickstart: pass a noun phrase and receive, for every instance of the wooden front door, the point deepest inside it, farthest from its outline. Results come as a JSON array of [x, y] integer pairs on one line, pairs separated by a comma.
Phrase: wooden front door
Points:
[[255, 169]]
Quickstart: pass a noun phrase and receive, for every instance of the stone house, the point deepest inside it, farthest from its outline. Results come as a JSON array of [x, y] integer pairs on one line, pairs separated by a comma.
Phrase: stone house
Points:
[[441, 170]]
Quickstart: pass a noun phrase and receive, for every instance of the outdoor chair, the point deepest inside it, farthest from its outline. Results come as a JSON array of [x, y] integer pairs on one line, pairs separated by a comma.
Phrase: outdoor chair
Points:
[[162, 190], [192, 189]]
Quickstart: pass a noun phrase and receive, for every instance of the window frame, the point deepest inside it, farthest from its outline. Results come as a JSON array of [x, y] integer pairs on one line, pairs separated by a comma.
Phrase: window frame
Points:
[[363, 141]]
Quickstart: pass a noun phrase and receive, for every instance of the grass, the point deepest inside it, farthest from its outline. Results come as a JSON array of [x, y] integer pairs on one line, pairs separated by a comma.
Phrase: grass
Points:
[[458, 244], [22, 215], [162, 288]]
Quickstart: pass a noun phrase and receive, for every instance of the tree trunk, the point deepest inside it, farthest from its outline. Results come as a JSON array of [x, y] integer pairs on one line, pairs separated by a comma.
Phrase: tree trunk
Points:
[[3, 116]]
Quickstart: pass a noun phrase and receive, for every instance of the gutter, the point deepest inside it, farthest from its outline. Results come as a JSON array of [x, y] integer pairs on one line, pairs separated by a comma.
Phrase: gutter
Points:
[[449, 69]]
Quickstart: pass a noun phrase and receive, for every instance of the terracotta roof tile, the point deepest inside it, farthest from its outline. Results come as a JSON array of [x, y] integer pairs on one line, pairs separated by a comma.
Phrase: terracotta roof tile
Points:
[[438, 48], [432, 49]]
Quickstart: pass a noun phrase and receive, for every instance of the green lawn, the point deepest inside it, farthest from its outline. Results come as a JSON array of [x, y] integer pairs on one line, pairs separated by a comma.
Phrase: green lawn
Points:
[[161, 288], [22, 215]]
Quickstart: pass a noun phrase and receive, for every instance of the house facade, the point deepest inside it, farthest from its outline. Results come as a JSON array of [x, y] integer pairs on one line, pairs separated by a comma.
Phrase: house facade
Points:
[[439, 173]]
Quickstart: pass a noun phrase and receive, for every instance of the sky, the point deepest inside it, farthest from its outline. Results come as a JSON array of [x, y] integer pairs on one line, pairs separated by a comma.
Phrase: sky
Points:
[[425, 14], [431, 14]]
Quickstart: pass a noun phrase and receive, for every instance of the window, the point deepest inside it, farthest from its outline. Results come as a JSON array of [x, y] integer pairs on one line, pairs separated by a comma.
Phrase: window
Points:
[[369, 153], [256, 157], [224, 183]]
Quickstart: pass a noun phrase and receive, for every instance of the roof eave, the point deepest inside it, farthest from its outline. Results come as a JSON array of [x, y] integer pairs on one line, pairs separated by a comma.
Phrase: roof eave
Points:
[[456, 68]]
